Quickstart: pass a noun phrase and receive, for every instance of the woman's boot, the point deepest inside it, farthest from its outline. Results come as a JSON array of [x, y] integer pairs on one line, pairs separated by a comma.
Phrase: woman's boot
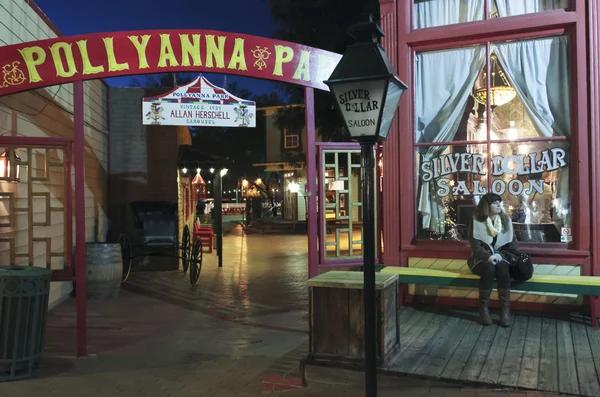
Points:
[[504, 298], [484, 312]]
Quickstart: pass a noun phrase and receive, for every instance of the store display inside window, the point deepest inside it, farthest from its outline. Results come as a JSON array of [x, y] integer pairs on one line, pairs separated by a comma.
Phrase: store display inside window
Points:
[[460, 157]]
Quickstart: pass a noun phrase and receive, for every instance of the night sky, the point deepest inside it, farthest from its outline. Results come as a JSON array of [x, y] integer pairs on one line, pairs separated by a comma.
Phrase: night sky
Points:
[[74, 17]]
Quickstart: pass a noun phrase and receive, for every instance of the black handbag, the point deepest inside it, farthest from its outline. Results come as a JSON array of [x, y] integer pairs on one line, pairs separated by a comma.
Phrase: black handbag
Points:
[[521, 269]]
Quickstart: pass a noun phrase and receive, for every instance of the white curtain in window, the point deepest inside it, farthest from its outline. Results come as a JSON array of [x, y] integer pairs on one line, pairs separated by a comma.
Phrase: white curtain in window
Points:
[[509, 8], [539, 72], [430, 13], [443, 82]]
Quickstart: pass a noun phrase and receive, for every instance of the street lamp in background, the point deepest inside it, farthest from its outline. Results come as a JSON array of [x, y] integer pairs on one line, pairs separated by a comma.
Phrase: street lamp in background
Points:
[[219, 211], [294, 187], [367, 92]]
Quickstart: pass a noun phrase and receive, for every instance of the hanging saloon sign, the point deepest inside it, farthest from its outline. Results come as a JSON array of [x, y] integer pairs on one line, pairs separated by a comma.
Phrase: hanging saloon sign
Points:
[[199, 103], [440, 167], [63, 60]]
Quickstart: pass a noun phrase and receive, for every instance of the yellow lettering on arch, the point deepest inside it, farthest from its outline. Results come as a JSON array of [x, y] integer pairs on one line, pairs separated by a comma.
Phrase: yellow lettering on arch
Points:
[[88, 68], [215, 51], [140, 47], [166, 52], [33, 56], [188, 49], [238, 56], [65, 48], [283, 54], [113, 64], [303, 69]]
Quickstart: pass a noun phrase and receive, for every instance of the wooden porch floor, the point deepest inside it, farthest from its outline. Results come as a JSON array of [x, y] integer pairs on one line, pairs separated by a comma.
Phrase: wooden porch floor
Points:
[[555, 354]]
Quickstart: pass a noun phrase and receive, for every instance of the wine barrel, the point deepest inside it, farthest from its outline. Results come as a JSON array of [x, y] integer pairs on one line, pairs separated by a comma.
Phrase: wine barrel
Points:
[[104, 270]]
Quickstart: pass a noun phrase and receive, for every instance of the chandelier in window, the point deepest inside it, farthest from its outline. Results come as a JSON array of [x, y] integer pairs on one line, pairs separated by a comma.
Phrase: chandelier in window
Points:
[[501, 92]]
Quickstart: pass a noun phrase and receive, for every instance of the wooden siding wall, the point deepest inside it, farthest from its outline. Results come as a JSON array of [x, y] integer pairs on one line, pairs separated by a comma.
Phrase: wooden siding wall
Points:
[[48, 112]]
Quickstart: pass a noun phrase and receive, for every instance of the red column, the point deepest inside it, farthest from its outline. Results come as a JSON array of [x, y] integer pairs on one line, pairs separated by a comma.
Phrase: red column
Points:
[[594, 112], [391, 159], [80, 268], [311, 181]]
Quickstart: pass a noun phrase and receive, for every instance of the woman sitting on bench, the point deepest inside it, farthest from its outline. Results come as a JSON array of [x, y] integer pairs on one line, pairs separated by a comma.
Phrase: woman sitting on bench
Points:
[[492, 240]]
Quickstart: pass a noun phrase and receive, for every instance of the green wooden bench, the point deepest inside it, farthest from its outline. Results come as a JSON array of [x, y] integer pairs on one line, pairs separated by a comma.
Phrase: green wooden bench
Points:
[[578, 285]]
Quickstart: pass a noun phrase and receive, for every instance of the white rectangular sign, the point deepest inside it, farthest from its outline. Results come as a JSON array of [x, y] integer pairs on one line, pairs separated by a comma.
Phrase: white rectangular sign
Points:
[[198, 114], [199, 103]]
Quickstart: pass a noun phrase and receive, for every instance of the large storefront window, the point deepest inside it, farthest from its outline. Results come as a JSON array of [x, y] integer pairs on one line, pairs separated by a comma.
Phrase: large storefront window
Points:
[[522, 154], [430, 13]]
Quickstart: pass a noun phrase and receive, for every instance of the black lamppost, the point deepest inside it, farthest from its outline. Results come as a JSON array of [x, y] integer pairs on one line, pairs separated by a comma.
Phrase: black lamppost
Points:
[[367, 92]]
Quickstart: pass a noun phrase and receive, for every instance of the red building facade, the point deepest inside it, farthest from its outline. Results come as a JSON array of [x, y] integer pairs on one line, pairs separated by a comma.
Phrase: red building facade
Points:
[[502, 97]]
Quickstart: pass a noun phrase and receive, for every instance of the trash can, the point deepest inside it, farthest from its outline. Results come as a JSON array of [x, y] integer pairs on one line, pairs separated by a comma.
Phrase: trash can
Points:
[[24, 294]]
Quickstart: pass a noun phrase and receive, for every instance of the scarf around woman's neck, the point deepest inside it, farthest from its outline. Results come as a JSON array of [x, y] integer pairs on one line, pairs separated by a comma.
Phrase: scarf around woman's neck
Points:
[[482, 232], [494, 227]]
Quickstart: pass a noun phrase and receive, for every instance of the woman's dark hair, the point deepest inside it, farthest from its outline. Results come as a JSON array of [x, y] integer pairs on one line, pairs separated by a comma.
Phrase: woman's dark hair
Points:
[[482, 211]]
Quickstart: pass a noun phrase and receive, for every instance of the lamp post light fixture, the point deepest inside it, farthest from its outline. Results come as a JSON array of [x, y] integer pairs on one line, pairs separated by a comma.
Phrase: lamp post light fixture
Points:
[[367, 92], [294, 187]]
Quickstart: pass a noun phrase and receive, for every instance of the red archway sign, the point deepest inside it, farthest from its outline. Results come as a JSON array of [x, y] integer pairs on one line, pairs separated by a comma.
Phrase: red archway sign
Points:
[[62, 60]]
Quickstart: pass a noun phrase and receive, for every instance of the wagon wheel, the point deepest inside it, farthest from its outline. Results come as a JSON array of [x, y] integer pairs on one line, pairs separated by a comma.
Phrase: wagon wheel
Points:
[[185, 248], [196, 261], [126, 256]]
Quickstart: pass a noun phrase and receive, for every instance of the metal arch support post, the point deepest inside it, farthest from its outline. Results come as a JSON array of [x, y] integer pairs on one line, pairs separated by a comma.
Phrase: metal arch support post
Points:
[[369, 252], [311, 181], [80, 265]]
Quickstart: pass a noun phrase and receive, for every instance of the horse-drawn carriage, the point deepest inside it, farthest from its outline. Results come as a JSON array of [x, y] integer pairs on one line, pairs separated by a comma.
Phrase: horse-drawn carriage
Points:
[[157, 222]]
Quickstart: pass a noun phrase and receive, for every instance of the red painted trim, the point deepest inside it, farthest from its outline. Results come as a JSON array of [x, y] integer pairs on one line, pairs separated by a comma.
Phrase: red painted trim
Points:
[[492, 28], [455, 143], [44, 17], [579, 178], [321, 204], [311, 181], [127, 54], [460, 42], [108, 152], [488, 114], [461, 250], [593, 15], [404, 154], [391, 202], [323, 261], [80, 265], [379, 196]]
